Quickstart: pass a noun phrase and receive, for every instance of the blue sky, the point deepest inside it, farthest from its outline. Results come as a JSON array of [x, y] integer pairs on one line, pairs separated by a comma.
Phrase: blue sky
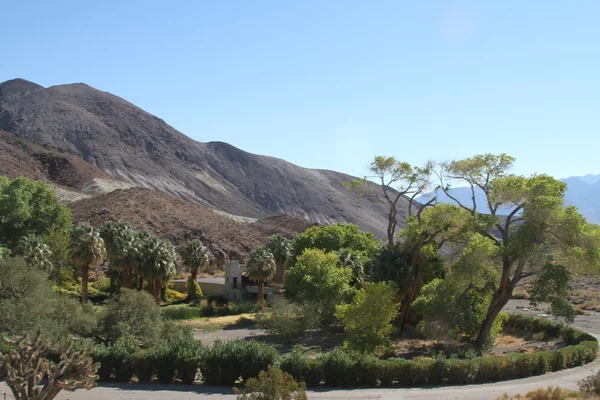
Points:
[[329, 84]]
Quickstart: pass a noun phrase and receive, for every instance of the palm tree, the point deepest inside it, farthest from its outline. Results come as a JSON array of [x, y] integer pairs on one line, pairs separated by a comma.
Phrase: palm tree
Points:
[[86, 250], [194, 256], [260, 268], [159, 264], [281, 248], [36, 253], [120, 240]]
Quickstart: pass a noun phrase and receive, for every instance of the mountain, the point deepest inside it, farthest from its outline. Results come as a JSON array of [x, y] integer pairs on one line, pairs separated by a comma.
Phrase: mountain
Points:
[[128, 145], [582, 192]]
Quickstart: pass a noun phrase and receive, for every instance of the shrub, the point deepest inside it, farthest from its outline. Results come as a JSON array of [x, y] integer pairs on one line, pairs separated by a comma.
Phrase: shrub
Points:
[[182, 312], [173, 296], [367, 320], [188, 360], [303, 369], [120, 354], [591, 384], [226, 362], [242, 307], [192, 289], [287, 320], [272, 385], [342, 368], [143, 366], [550, 393], [132, 313]]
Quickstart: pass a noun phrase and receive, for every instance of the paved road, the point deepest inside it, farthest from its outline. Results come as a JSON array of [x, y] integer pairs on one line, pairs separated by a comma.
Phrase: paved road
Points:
[[567, 379]]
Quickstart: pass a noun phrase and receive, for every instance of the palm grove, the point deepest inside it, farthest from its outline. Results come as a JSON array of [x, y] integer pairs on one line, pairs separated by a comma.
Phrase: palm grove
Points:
[[444, 269]]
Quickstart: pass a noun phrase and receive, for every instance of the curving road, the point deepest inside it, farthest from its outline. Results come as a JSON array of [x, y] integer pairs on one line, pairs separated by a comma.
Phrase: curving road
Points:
[[567, 379]]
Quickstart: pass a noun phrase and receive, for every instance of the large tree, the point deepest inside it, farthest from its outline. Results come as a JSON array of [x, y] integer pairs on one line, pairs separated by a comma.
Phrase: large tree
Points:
[[260, 268], [394, 180], [536, 231], [318, 279], [281, 248], [29, 208], [333, 238], [86, 250], [195, 257]]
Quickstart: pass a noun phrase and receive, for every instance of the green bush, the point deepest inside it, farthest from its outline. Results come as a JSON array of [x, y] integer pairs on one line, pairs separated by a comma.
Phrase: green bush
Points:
[[226, 362], [143, 366], [274, 384], [342, 368], [182, 312], [368, 319], [133, 313], [164, 358], [287, 320], [188, 361], [192, 289], [303, 369]]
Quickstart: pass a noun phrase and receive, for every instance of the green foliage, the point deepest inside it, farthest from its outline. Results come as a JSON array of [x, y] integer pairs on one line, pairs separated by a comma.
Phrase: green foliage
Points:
[[280, 247], [193, 289], [261, 265], [158, 262], [29, 208], [316, 278], [367, 320], [36, 253], [123, 248], [287, 320], [28, 304], [332, 238], [272, 385], [226, 362], [86, 250], [133, 314], [552, 285], [195, 257], [182, 312], [303, 369]]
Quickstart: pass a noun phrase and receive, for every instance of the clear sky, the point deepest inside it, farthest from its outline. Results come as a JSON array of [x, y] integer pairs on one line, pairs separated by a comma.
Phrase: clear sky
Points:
[[330, 83]]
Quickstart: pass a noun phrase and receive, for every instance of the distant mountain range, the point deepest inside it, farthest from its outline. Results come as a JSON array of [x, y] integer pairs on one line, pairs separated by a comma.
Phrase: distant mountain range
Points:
[[583, 192]]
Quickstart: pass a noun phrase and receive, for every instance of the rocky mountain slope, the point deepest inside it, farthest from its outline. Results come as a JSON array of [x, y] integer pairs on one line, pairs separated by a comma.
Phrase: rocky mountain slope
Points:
[[122, 141], [180, 220]]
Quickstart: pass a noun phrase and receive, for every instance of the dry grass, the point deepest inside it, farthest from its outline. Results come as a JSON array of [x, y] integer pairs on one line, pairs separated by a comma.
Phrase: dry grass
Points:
[[508, 340], [216, 323]]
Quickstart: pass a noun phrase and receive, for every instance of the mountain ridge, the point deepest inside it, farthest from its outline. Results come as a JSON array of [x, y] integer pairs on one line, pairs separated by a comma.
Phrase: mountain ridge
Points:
[[131, 145]]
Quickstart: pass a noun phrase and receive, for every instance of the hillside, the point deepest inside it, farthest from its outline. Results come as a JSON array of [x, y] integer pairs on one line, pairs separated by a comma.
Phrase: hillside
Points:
[[122, 141], [179, 220]]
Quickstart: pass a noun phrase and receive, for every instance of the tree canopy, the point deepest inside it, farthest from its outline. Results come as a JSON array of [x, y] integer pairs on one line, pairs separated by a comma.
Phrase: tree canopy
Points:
[[29, 208]]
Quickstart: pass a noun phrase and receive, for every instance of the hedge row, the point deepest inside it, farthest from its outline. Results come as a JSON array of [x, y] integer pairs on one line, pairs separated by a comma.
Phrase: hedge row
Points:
[[225, 363]]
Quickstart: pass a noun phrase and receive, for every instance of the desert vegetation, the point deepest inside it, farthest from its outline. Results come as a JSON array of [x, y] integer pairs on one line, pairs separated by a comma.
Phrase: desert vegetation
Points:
[[424, 307]]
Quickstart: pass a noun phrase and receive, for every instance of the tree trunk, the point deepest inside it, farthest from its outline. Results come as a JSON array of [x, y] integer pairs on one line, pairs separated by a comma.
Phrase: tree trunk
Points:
[[127, 278], [279, 271], [140, 283], [85, 273], [157, 289], [194, 273], [499, 300], [260, 294], [391, 229]]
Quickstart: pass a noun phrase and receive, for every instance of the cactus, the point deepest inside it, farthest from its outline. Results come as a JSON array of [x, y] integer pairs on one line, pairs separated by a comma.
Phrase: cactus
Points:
[[31, 360]]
